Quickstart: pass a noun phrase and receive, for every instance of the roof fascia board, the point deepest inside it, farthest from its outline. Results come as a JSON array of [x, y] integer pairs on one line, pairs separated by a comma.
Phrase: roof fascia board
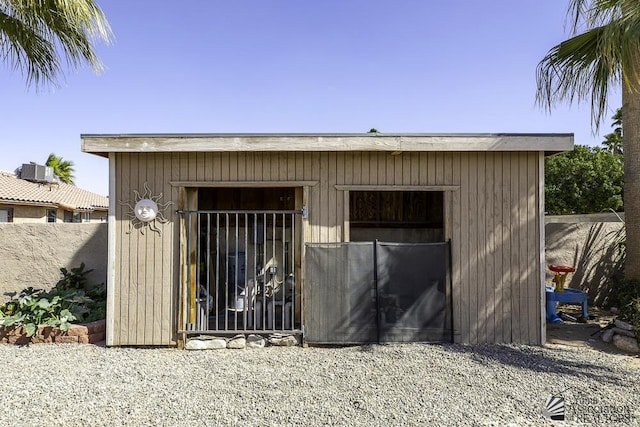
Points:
[[28, 203], [100, 144]]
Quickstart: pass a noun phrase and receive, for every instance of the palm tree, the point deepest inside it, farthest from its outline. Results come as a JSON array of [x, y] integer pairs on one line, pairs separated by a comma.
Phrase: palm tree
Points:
[[604, 51], [35, 34], [63, 169]]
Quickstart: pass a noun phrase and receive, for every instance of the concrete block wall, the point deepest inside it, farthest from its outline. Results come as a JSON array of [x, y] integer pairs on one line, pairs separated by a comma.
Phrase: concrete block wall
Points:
[[32, 254], [588, 243]]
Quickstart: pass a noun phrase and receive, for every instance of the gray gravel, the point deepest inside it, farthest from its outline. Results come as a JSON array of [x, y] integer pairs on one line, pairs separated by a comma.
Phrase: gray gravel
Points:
[[409, 384]]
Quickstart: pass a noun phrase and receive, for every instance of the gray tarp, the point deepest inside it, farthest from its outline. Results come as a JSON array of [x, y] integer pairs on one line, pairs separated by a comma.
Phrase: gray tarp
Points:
[[343, 304]]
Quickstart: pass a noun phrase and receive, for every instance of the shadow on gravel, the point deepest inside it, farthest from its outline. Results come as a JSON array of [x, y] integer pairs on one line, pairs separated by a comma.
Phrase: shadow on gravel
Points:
[[536, 360]]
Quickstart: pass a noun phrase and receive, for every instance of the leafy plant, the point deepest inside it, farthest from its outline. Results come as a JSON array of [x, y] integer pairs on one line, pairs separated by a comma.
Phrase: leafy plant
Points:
[[66, 302], [34, 307], [76, 278], [631, 313], [627, 298]]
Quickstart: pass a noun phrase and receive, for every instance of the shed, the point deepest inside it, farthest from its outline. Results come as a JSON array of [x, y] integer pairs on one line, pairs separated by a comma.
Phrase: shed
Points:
[[264, 233]]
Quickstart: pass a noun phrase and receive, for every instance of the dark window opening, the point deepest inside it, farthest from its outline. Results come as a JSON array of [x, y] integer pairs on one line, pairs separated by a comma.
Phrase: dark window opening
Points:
[[52, 215], [246, 198], [396, 216], [6, 215], [72, 216]]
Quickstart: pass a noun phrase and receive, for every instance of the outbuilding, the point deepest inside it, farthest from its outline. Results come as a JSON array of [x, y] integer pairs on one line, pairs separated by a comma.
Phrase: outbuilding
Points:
[[336, 238]]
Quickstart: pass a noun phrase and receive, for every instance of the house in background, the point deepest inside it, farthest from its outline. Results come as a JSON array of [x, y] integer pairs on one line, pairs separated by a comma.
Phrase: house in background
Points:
[[35, 197], [263, 233]]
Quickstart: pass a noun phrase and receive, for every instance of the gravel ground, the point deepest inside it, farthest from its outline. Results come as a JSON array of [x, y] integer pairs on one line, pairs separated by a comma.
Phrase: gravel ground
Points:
[[390, 385]]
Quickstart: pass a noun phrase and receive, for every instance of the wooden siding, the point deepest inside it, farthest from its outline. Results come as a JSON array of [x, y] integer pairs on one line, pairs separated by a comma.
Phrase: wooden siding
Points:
[[491, 217]]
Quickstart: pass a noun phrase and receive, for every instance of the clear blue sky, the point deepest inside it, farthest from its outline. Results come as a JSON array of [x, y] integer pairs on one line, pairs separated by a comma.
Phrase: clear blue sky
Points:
[[296, 66]]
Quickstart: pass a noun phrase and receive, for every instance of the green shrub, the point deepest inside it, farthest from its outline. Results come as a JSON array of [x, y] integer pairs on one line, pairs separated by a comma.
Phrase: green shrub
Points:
[[627, 298], [76, 278], [631, 313], [70, 300]]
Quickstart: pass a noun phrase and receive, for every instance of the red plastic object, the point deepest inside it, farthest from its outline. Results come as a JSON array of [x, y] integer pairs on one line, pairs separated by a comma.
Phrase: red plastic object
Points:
[[561, 268], [560, 275]]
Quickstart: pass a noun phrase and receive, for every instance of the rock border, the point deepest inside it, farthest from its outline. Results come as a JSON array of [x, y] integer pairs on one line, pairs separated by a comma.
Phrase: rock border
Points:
[[83, 333], [239, 342], [622, 336]]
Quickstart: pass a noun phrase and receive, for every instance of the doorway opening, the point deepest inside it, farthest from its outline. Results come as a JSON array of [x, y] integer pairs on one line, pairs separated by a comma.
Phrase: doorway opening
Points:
[[244, 261]]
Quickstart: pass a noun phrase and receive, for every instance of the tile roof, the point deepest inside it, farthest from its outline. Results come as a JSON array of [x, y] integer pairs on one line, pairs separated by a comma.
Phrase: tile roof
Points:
[[15, 190]]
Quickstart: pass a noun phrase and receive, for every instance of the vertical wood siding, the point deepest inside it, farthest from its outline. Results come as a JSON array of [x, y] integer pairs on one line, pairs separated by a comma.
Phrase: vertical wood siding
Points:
[[492, 221]]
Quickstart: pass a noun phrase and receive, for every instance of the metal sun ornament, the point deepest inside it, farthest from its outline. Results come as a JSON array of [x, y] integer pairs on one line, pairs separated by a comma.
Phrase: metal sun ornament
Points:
[[147, 212]]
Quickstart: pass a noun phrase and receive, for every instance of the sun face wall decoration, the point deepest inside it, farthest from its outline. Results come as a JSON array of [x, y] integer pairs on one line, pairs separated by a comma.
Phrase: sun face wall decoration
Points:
[[146, 211]]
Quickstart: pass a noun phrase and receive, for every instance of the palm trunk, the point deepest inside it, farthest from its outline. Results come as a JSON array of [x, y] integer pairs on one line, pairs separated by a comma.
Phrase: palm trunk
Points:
[[631, 144]]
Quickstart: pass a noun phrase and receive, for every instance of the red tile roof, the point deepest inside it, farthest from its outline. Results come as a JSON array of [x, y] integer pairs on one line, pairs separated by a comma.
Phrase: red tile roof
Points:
[[14, 190]]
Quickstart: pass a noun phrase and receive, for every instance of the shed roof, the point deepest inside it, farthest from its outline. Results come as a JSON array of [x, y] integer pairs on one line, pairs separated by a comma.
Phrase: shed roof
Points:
[[16, 191], [397, 142]]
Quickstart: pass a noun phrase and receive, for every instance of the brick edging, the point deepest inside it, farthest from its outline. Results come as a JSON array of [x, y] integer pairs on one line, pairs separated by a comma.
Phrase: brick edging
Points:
[[84, 333]]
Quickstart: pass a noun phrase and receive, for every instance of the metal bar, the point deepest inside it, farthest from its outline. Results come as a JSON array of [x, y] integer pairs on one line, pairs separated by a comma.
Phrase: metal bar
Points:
[[245, 305], [184, 280], [217, 300], [208, 267], [255, 271], [273, 277], [235, 275], [284, 269], [375, 281], [450, 274], [242, 211], [188, 267], [232, 332], [182, 319], [197, 295], [226, 271], [293, 271], [302, 272], [264, 270]]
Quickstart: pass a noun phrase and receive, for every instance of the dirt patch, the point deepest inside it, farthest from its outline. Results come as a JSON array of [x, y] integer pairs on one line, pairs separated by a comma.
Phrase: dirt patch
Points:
[[585, 335]]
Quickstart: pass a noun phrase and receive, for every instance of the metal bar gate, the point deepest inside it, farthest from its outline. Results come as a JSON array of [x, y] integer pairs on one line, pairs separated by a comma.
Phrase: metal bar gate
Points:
[[240, 271]]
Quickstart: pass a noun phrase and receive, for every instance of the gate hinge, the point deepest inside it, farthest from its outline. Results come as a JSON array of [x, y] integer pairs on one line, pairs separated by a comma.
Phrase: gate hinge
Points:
[[305, 212]]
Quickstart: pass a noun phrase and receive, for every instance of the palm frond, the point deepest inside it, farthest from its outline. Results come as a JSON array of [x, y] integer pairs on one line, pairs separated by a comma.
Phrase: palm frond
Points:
[[34, 32], [26, 49], [584, 67], [586, 14], [579, 69]]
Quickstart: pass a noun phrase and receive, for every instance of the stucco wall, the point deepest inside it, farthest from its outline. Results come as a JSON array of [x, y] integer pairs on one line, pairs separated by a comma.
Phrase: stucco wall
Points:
[[32, 254], [588, 246]]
